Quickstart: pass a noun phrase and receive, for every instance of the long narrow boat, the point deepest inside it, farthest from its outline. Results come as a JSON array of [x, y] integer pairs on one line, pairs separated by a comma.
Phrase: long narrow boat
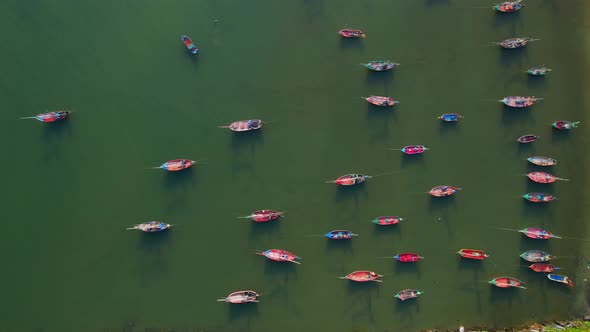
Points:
[[560, 279], [473, 254], [363, 276], [539, 71], [528, 138], [387, 220], [407, 294], [506, 282], [519, 101], [239, 297], [450, 117], [538, 233], [380, 65], [53, 116], [542, 161], [414, 149], [442, 191], [536, 256], [279, 255], [176, 165], [542, 177], [381, 101], [509, 6], [543, 267], [565, 125], [351, 33], [340, 235], [512, 43], [407, 257], [536, 197], [190, 46], [264, 215], [350, 179], [244, 125], [151, 226]]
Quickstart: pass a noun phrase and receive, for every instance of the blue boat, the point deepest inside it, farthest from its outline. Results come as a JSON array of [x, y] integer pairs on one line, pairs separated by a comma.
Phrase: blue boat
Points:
[[340, 235], [189, 45], [151, 226], [561, 279], [450, 117]]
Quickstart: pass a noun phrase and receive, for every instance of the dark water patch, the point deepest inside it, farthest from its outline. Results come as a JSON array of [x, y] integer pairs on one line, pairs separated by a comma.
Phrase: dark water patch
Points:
[[527, 244], [379, 121], [246, 142], [416, 160], [389, 231], [526, 148], [352, 194], [363, 295], [431, 3], [266, 230], [505, 296], [407, 308], [244, 310], [181, 180], [383, 79], [537, 210], [356, 44], [535, 82], [407, 268], [477, 266], [516, 116], [558, 136], [510, 20], [447, 128], [57, 131], [314, 9], [515, 58], [284, 271], [345, 246]]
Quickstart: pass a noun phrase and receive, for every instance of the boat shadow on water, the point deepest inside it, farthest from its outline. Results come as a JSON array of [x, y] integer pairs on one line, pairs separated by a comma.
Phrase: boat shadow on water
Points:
[[412, 160], [363, 294], [390, 231], [447, 128], [535, 82], [281, 270], [340, 245], [265, 230], [314, 9], [382, 79], [528, 244], [511, 116], [239, 311], [474, 265], [184, 179], [407, 307], [57, 130], [512, 19], [248, 139], [504, 295], [352, 44], [537, 210], [407, 268], [559, 135], [510, 58], [378, 121], [352, 193]]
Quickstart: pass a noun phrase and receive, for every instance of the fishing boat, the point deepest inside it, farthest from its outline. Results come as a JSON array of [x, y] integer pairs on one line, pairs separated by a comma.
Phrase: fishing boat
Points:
[[536, 197], [387, 220], [264, 215], [279, 255], [561, 279], [340, 235], [407, 294], [565, 125], [380, 65], [508, 6], [176, 165], [525, 139], [350, 179], [536, 256], [363, 276], [190, 46], [538, 233], [512, 43], [519, 101], [542, 161], [381, 101], [239, 297], [414, 149], [442, 191], [151, 226], [408, 257], [506, 282], [473, 254], [53, 116], [450, 117], [244, 125], [539, 71], [542, 177], [351, 33], [543, 267]]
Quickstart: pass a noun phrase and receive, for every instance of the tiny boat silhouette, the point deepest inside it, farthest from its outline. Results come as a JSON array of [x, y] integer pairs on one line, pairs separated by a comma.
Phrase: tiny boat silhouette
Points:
[[442, 191], [190, 46], [239, 297], [387, 220], [509, 6], [414, 149], [565, 125], [561, 279], [473, 254], [543, 267], [407, 257], [539, 71], [542, 161], [506, 282], [350, 179], [279, 255], [408, 294], [538, 233], [244, 125], [175, 165], [537, 197], [512, 43], [53, 116], [351, 33], [340, 235], [151, 226], [536, 256], [529, 138], [380, 65], [519, 101], [450, 117], [381, 101], [264, 215], [363, 276]]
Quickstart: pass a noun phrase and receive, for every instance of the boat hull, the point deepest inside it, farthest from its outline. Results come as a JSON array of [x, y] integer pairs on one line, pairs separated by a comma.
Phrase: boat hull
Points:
[[351, 179], [443, 191], [541, 177], [537, 233], [363, 276], [450, 117], [245, 125], [536, 256], [176, 165], [505, 282], [381, 101], [279, 255], [513, 43], [560, 279], [190, 46], [52, 116], [351, 33], [407, 257], [407, 294], [525, 139], [473, 254], [240, 297], [262, 216], [542, 161], [565, 125], [387, 220], [414, 149], [543, 267], [536, 197], [340, 235], [381, 65]]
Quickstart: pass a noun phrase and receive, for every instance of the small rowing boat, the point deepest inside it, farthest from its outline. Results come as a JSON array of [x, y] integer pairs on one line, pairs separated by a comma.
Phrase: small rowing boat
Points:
[[443, 191], [363, 276], [351, 33], [539, 71], [244, 125], [450, 117], [380, 65], [350, 179], [53, 116], [264, 215], [414, 149], [340, 235], [512, 43], [536, 256], [542, 177], [538, 233], [387, 220], [565, 125], [407, 257], [239, 297], [509, 6], [279, 255], [506, 282], [381, 101], [537, 197], [519, 101], [473, 254], [529, 138], [176, 165], [407, 294], [561, 279], [542, 161], [543, 267], [190, 46], [151, 226]]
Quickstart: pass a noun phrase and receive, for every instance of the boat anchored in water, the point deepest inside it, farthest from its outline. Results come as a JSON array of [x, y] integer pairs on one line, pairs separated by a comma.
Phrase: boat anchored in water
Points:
[[413, 149], [176, 165], [519, 101], [407, 294], [380, 65], [538, 233], [387, 220], [340, 235], [565, 125], [190, 46], [537, 197], [443, 191], [239, 297], [363, 276], [473, 254], [513, 43], [542, 161], [279, 255], [408, 257], [509, 6], [506, 282], [244, 125], [264, 215], [450, 117], [528, 138], [536, 256], [560, 279], [53, 116], [381, 101], [539, 71], [351, 33], [350, 179], [151, 226], [543, 267], [542, 177]]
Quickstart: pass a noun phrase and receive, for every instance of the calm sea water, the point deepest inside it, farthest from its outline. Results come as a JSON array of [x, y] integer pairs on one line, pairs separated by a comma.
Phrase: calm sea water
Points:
[[71, 189]]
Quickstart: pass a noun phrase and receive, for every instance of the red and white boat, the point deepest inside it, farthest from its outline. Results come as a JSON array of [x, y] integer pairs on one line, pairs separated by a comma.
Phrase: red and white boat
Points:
[[363, 276]]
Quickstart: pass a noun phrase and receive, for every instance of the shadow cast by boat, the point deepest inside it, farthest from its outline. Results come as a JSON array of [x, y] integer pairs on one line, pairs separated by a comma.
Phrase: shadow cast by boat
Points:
[[244, 310], [352, 193], [155, 248], [535, 82], [248, 139], [363, 294], [507, 19], [474, 265], [504, 295], [352, 44], [537, 210], [517, 116], [314, 9], [440, 207], [280, 270], [408, 307], [407, 268], [525, 149], [531, 244], [155, 243], [193, 58], [180, 180], [412, 160], [390, 231], [446, 128], [559, 135], [538, 187], [513, 57], [363, 288], [378, 121], [56, 131], [381, 79], [340, 245], [266, 230]]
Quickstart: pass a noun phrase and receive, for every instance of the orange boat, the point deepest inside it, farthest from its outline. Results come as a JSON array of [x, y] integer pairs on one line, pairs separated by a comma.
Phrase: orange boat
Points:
[[542, 177], [472, 254], [363, 276], [543, 267], [442, 191], [177, 165]]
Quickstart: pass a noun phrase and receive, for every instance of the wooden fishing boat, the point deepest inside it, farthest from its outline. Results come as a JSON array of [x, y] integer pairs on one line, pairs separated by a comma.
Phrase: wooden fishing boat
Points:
[[561, 279], [340, 235], [543, 267], [512, 43], [408, 257], [190, 46], [381, 101], [151, 226], [350, 179], [565, 125], [279, 255], [542, 177], [538, 233], [407, 294], [176, 165], [542, 161], [387, 220], [506, 282], [508, 6], [53, 116], [380, 65], [450, 117], [519, 101], [264, 215], [539, 71], [244, 125], [536, 256], [442, 191], [351, 33], [525, 139], [414, 149], [363, 276], [536, 197], [473, 254], [239, 297]]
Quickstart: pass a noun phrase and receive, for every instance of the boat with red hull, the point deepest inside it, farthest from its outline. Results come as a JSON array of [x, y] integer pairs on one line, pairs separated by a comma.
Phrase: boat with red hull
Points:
[[350, 179], [381, 101], [542, 161], [565, 125], [473, 254], [538, 233], [279, 255], [407, 294], [414, 149], [542, 177], [536, 197], [244, 125], [443, 191], [509, 6], [351, 33], [407, 257], [525, 139], [543, 267], [363, 276], [176, 165], [264, 215], [239, 297], [506, 282], [190, 46], [387, 220], [48, 117]]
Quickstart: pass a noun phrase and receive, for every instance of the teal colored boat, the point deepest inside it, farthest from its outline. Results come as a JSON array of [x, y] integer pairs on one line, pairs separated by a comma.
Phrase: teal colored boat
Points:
[[539, 71], [565, 125], [509, 6]]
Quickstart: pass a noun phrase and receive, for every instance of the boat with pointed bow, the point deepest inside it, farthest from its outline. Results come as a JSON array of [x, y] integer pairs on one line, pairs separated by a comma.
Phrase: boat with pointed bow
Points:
[[519, 101], [506, 282], [443, 191], [381, 101], [536, 256], [351, 33], [537, 197], [380, 65], [239, 297], [244, 125], [190, 46], [407, 257], [450, 117], [528, 138], [565, 125], [151, 226], [350, 179], [279, 255], [363, 276], [176, 165], [538, 233], [513, 43], [543, 267], [52, 116], [542, 177], [473, 254], [539, 71], [414, 149], [560, 279], [264, 215], [387, 220], [340, 235], [407, 294], [542, 161]]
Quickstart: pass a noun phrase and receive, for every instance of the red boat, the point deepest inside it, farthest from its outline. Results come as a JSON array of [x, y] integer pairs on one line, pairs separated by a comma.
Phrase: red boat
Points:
[[527, 138], [351, 33], [542, 177], [279, 255], [536, 197], [244, 125], [414, 149], [387, 220], [509, 6], [50, 116], [381, 101], [442, 191], [176, 165], [264, 215], [538, 233], [363, 276], [408, 257], [543, 267], [472, 254], [350, 179], [506, 282]]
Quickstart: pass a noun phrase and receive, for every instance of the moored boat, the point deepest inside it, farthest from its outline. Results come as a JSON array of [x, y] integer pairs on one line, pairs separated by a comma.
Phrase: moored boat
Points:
[[542, 161], [539, 71], [340, 235], [542, 177], [279, 255], [350, 179], [561, 279], [537, 197], [363, 276], [380, 65], [52, 116], [414, 149], [151, 226], [473, 254], [543, 267], [538, 233], [565, 125], [519, 101], [408, 294], [351, 33], [239, 297], [509, 6], [528, 138], [450, 117], [190, 46], [244, 125], [381, 101], [442, 191], [176, 165], [264, 215], [387, 220], [408, 257], [512, 43], [506, 282], [536, 256]]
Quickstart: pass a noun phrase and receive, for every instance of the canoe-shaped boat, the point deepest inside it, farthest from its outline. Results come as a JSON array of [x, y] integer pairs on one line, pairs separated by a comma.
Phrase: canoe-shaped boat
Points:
[[239, 297], [151, 226], [536, 256], [264, 215], [414, 149], [520, 101], [539, 71], [536, 197], [407, 294], [565, 125], [244, 125], [538, 233], [528, 138], [350, 179], [506, 282], [543, 267], [450, 117], [381, 101], [53, 116], [442, 191], [561, 279], [279, 255], [177, 165], [512, 43], [363, 276], [387, 220], [340, 235], [541, 177], [542, 161], [380, 65], [351, 33], [408, 257], [508, 6], [190, 46], [473, 254]]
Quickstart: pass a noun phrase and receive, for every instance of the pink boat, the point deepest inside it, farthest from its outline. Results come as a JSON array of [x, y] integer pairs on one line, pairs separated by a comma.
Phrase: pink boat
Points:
[[351, 33], [387, 220], [244, 125], [350, 179], [363, 276], [442, 191], [279, 255], [520, 102], [264, 215], [414, 149], [542, 177], [381, 101]]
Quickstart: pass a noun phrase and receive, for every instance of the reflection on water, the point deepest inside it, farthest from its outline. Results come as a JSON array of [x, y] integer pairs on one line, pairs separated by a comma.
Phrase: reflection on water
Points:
[[352, 44]]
